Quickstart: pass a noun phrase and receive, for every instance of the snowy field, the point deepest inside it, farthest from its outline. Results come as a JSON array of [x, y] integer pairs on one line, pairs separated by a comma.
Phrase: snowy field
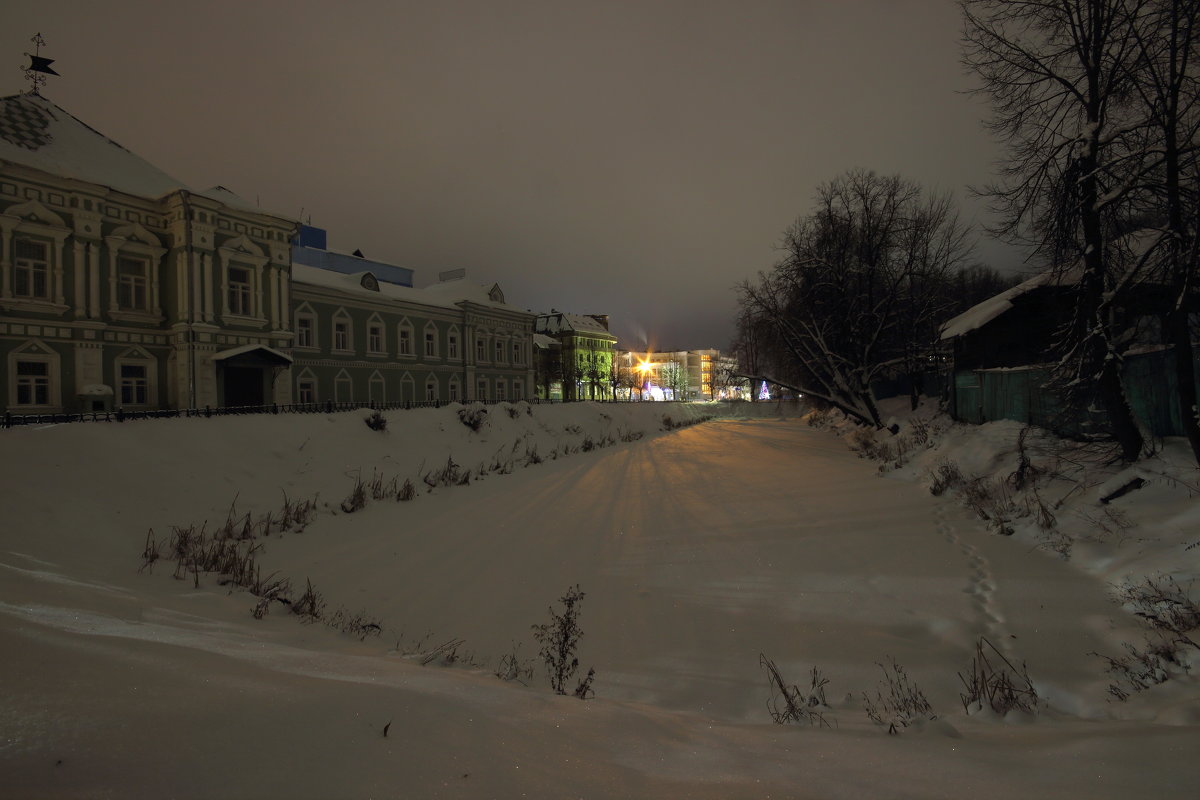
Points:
[[699, 549]]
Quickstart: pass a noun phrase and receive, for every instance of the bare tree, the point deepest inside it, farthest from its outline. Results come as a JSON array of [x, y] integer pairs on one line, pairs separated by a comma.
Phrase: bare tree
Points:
[[1057, 73], [858, 293], [1164, 76]]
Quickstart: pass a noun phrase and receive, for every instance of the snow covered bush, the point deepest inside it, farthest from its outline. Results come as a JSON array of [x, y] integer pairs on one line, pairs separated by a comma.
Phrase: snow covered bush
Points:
[[789, 704], [999, 688], [376, 422], [898, 702], [1173, 618], [473, 416]]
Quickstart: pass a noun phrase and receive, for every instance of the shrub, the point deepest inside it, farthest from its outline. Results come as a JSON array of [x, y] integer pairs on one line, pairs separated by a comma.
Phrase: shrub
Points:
[[788, 704], [376, 422], [357, 498], [406, 492], [512, 668], [1001, 689], [898, 702], [311, 605], [473, 416], [559, 639]]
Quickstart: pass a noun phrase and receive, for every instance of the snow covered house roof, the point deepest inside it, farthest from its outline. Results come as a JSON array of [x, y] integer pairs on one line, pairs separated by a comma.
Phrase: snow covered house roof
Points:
[[364, 283], [560, 322], [37, 133], [981, 314]]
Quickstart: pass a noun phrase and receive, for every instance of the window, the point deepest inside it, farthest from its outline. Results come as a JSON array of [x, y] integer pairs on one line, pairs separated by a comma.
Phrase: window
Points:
[[31, 271], [452, 345], [239, 292], [454, 391], [33, 383], [306, 331], [430, 343], [516, 352], [376, 389], [499, 351], [481, 390], [341, 334], [375, 337], [406, 346], [343, 389], [135, 387], [306, 390], [431, 391], [133, 284], [479, 351], [517, 393], [499, 391]]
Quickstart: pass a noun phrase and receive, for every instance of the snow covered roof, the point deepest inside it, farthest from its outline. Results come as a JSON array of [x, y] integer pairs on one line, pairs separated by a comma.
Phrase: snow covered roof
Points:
[[562, 322], [981, 314], [461, 290], [37, 133], [543, 341], [353, 284]]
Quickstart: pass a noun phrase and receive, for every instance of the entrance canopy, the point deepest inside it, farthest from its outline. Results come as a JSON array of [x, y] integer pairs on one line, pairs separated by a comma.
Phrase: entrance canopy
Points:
[[253, 355]]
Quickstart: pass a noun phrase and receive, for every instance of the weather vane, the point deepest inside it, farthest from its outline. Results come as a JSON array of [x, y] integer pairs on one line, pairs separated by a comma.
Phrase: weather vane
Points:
[[39, 67]]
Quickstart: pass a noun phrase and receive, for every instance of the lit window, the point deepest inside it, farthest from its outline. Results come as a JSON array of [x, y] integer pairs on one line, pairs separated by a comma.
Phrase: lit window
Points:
[[375, 338], [132, 284], [239, 292], [135, 386], [33, 383], [31, 270]]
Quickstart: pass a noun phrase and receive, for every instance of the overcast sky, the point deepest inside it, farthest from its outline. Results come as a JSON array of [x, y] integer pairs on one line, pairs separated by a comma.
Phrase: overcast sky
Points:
[[630, 158]]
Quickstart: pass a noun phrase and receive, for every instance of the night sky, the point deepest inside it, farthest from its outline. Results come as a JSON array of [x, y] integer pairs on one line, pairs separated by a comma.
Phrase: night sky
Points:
[[630, 158]]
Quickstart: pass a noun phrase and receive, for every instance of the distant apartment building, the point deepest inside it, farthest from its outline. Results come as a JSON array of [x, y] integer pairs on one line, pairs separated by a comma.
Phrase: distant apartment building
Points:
[[677, 375]]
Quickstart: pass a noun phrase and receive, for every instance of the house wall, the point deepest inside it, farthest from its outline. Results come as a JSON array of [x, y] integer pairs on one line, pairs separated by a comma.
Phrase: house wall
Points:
[[132, 294]]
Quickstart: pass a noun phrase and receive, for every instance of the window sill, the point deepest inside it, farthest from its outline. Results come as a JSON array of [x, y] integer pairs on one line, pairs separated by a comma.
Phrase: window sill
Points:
[[144, 317], [37, 306], [335, 351], [371, 354], [246, 322]]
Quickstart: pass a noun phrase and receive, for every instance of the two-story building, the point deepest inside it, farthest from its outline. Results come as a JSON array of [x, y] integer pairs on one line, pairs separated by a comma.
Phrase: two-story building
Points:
[[122, 287]]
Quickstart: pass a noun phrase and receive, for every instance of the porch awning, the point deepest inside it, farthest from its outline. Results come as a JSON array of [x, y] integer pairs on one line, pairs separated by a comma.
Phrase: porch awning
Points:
[[258, 354]]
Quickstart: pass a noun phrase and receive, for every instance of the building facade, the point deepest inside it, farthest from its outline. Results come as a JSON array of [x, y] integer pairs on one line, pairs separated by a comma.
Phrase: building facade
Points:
[[122, 288], [578, 363]]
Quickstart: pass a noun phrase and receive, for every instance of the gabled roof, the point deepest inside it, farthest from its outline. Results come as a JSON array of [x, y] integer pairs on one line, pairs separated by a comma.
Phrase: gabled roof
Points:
[[37, 133], [560, 322], [981, 314]]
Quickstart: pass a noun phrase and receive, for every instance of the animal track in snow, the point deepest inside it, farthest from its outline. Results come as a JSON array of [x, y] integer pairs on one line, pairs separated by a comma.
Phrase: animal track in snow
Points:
[[981, 583]]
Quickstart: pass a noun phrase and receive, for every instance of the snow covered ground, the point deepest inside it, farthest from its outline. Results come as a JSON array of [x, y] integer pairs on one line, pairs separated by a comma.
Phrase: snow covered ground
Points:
[[698, 549]]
